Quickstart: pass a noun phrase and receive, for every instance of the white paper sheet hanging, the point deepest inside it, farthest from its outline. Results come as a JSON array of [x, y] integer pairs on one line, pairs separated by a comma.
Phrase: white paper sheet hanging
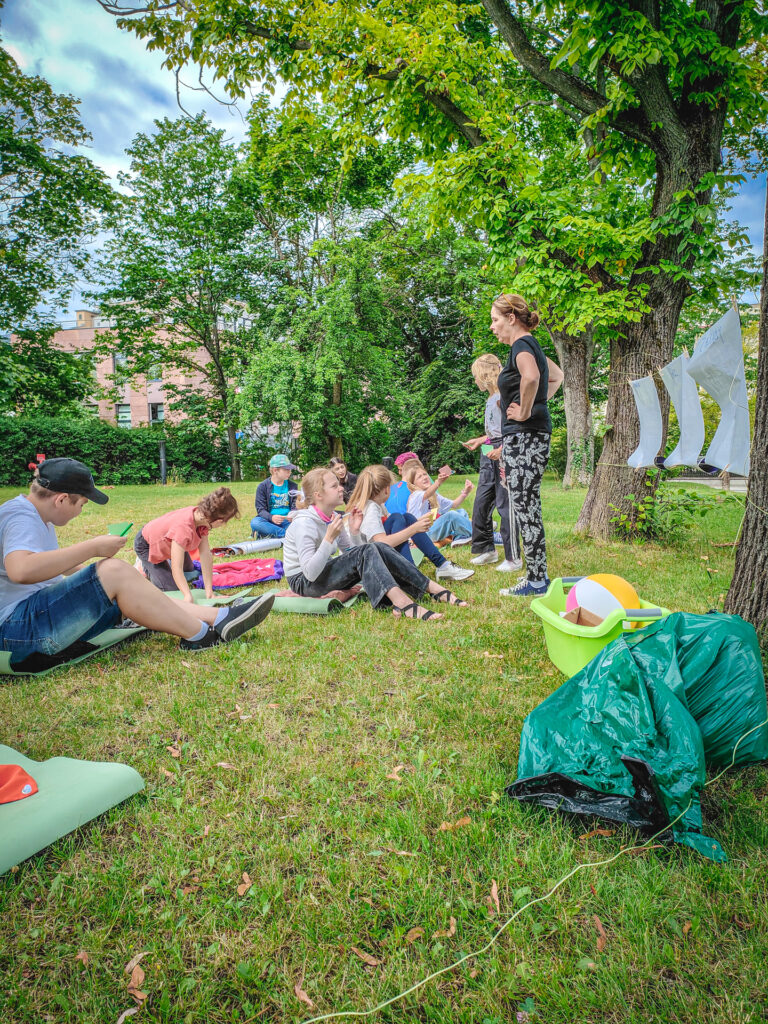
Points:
[[685, 399], [717, 364], [651, 430]]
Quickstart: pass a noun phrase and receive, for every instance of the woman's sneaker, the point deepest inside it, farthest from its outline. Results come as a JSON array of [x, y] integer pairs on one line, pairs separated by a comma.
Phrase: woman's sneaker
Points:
[[487, 558], [525, 589], [510, 565], [451, 571]]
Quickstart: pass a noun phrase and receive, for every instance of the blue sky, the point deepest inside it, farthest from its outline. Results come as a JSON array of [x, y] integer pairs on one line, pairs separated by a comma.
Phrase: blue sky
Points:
[[122, 87]]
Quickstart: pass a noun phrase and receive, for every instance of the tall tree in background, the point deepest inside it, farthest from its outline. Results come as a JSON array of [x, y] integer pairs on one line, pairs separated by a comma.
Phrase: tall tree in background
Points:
[[748, 593], [186, 259], [654, 89], [51, 198]]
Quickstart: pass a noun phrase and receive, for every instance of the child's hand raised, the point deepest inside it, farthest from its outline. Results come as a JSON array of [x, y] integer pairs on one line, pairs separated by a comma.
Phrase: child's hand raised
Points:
[[355, 520], [334, 529], [467, 488]]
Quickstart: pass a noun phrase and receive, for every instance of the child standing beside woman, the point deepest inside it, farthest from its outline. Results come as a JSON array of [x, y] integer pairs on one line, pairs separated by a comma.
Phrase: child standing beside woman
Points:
[[318, 533]]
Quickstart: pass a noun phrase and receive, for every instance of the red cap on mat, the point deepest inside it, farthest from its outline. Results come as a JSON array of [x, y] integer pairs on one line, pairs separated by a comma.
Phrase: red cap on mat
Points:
[[15, 783]]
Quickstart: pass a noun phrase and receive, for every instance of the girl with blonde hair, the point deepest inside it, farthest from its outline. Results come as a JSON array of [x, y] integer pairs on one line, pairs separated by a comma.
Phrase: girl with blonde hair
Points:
[[398, 528], [318, 533], [491, 490]]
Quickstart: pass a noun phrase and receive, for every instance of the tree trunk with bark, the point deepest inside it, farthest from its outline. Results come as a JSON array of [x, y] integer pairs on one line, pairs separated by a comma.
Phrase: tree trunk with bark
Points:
[[234, 456], [575, 355], [748, 593]]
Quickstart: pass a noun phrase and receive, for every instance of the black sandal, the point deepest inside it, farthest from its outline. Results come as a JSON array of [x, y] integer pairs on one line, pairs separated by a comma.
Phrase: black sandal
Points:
[[413, 608], [451, 598]]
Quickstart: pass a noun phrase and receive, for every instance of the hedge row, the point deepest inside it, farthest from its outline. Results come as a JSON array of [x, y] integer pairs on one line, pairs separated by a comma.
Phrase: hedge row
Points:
[[116, 455]]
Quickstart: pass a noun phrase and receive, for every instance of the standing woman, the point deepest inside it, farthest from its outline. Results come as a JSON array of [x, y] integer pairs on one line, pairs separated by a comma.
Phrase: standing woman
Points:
[[527, 380], [346, 479], [491, 489]]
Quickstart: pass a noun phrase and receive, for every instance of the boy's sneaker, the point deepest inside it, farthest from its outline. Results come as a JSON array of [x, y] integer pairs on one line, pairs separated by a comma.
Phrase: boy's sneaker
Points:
[[525, 589], [242, 617], [487, 558], [210, 639], [451, 571], [459, 542], [510, 565]]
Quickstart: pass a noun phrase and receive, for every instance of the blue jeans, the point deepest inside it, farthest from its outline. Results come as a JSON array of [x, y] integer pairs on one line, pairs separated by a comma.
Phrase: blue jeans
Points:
[[397, 522], [266, 528], [54, 618], [455, 523]]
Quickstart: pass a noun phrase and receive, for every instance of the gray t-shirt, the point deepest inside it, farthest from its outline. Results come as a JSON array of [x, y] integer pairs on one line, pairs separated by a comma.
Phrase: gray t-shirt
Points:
[[22, 529], [493, 417]]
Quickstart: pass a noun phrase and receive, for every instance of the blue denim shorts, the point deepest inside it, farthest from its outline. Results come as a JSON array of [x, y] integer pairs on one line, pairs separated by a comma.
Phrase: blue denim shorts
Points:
[[53, 618]]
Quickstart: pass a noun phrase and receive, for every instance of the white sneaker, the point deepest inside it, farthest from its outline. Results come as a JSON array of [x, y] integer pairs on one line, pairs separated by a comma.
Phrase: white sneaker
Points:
[[510, 565], [487, 558], [450, 571], [459, 542]]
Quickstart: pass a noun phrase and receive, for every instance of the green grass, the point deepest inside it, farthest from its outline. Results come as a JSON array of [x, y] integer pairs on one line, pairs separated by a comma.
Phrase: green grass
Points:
[[314, 715]]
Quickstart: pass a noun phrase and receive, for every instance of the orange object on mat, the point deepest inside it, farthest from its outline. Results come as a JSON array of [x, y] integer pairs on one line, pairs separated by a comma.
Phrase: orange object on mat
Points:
[[15, 783]]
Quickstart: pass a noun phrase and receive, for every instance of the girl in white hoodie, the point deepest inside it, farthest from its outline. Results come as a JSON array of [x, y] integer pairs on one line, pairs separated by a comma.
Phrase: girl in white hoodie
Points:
[[318, 532]]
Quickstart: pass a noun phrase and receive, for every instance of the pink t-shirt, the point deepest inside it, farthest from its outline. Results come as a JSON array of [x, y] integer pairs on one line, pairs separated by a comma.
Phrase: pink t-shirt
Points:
[[178, 525]]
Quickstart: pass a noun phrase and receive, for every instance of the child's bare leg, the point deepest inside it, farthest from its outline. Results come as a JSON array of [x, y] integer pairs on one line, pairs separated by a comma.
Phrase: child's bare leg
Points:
[[139, 600], [400, 599]]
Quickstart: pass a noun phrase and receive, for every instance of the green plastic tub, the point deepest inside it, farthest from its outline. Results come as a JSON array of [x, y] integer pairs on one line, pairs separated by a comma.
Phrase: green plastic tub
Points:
[[571, 647]]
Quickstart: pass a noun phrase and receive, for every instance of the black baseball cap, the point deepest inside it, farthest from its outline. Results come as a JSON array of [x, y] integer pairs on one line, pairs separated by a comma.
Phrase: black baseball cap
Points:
[[68, 476]]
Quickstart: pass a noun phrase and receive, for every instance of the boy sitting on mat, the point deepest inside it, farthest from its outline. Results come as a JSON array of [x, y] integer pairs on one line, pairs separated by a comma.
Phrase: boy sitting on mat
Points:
[[49, 601], [275, 499], [163, 546]]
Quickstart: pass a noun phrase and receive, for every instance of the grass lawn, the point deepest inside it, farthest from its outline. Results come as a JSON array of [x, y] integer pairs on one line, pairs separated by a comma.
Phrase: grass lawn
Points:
[[320, 756]]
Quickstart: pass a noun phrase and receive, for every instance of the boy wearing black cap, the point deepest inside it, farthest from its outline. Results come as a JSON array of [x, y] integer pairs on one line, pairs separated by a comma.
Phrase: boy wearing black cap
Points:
[[49, 601]]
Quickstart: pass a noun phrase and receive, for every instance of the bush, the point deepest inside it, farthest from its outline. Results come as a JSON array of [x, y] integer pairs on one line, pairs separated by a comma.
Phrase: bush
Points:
[[115, 455]]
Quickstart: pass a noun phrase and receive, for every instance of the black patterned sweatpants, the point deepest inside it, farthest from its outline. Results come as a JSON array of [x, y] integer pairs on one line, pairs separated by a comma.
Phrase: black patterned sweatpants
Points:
[[524, 457]]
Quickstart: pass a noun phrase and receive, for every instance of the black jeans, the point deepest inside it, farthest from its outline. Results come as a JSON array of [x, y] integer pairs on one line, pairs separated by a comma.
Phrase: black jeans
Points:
[[158, 573], [491, 491], [377, 566]]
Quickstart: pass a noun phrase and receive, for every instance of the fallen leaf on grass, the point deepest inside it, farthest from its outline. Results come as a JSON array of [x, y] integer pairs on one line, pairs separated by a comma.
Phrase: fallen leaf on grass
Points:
[[225, 764], [487, 654], [594, 890], [302, 996], [413, 934], [206, 830], [192, 885], [395, 773], [597, 832], [446, 935], [245, 885], [493, 900], [136, 960], [474, 972], [126, 1014], [602, 938], [687, 927], [333, 636], [187, 664], [365, 957], [167, 774], [173, 751], [744, 925], [448, 827], [134, 985], [83, 957], [273, 705]]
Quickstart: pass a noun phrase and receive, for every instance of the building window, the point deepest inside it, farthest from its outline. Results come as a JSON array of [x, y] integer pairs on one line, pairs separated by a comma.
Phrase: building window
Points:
[[123, 416], [156, 412], [155, 372], [119, 359]]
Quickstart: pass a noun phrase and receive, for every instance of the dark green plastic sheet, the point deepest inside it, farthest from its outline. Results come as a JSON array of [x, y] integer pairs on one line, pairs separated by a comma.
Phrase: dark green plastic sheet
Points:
[[676, 696]]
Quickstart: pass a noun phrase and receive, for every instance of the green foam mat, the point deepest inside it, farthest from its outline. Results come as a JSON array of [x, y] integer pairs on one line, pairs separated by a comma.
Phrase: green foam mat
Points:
[[99, 643], [70, 793], [198, 596], [311, 605]]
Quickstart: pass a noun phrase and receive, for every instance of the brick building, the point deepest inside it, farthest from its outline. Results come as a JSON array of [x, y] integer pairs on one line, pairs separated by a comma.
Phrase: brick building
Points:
[[139, 402]]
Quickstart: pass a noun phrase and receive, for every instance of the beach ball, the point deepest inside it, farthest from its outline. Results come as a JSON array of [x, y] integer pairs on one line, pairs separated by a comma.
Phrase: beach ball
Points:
[[590, 594], [624, 592]]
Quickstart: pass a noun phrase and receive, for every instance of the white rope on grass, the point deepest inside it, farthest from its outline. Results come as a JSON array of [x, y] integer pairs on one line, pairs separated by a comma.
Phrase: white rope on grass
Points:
[[338, 1014]]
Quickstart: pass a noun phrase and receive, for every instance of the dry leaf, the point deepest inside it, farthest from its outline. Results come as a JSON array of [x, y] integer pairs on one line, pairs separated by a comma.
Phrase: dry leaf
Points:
[[192, 885], [597, 832], [83, 957], [134, 985], [602, 938], [687, 927], [136, 960], [487, 654], [126, 1014], [495, 895], [245, 885], [187, 664], [302, 996], [413, 934], [206, 830], [332, 637], [168, 774], [174, 751], [449, 934], [365, 957], [594, 890], [474, 972], [448, 827], [395, 773], [225, 764], [744, 925], [273, 705]]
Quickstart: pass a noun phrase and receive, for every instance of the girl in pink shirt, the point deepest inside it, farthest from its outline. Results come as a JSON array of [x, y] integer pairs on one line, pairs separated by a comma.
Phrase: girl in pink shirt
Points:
[[163, 545]]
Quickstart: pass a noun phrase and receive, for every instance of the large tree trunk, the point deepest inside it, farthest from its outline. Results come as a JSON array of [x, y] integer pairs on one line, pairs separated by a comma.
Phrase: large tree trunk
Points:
[[575, 355], [234, 456], [748, 594]]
